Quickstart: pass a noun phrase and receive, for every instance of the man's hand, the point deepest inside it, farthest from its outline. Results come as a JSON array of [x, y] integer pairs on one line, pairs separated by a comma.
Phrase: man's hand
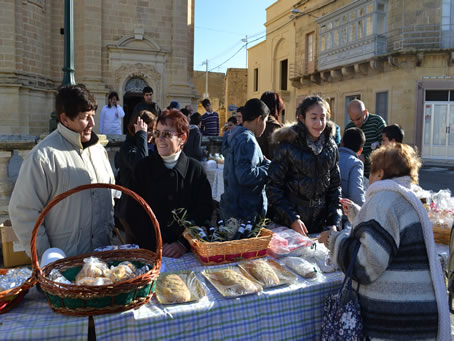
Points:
[[140, 125], [299, 227], [173, 250]]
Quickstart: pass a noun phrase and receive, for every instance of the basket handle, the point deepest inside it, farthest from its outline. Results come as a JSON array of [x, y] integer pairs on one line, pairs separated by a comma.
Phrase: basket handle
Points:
[[63, 195]]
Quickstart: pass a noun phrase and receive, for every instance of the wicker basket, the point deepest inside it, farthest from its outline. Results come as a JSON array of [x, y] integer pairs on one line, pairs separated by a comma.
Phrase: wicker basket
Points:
[[10, 298], [83, 300], [214, 253], [441, 235]]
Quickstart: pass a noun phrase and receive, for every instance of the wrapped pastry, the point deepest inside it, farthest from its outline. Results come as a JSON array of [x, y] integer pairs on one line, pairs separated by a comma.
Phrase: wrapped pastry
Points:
[[262, 272], [93, 267], [122, 272], [301, 267], [94, 281], [233, 282], [174, 289], [57, 276]]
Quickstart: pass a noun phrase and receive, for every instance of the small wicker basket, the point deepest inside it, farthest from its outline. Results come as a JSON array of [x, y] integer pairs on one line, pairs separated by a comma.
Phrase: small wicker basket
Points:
[[10, 298], [83, 300], [214, 253], [442, 235]]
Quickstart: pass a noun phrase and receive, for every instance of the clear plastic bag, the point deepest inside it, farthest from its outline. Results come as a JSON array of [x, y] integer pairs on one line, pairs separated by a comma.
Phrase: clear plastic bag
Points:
[[93, 268], [304, 268], [286, 242]]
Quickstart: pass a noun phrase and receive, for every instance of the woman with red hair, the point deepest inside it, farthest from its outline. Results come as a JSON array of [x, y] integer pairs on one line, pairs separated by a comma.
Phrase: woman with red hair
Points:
[[168, 179]]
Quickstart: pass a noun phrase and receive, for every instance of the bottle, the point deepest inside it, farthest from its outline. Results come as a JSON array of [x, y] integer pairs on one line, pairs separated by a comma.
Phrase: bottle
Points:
[[239, 232], [247, 230], [211, 233], [202, 234]]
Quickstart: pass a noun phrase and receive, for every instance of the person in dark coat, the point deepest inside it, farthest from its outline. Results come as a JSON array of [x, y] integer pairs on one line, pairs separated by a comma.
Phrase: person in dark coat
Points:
[[167, 180], [193, 147], [303, 187], [136, 146], [276, 105], [147, 103]]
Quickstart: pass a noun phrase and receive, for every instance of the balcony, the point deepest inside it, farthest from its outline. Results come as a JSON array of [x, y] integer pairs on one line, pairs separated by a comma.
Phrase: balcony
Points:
[[354, 52]]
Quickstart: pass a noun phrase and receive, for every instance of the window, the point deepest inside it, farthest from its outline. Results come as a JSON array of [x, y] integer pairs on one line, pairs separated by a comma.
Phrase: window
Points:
[[284, 74], [381, 104], [256, 79], [310, 52], [348, 99], [437, 95]]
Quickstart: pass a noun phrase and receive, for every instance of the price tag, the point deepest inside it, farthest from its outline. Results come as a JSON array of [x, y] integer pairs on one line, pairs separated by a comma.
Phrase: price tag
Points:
[[18, 247]]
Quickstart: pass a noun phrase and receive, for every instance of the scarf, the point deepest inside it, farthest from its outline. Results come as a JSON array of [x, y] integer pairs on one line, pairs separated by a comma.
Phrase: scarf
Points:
[[402, 186], [316, 146]]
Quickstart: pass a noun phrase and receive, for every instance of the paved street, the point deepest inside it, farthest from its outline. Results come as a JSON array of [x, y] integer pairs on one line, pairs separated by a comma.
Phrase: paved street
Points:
[[436, 178]]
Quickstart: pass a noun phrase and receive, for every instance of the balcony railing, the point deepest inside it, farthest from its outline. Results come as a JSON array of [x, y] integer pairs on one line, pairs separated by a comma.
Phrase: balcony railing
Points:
[[418, 38]]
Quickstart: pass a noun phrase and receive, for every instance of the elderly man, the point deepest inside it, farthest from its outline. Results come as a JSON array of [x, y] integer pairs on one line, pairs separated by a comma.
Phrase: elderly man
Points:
[[372, 125], [69, 157]]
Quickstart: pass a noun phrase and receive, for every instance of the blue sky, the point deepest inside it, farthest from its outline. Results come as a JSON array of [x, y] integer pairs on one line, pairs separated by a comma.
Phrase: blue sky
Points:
[[220, 25]]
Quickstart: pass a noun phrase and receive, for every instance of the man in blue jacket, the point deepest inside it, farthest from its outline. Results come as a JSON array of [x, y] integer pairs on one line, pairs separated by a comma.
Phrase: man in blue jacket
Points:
[[245, 167]]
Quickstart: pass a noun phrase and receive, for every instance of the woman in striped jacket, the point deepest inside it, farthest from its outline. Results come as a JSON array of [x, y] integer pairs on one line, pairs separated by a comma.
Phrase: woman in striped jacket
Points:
[[401, 288]]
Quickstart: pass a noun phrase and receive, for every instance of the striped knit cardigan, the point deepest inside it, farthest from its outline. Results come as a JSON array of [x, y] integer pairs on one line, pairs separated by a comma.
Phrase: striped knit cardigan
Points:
[[402, 292]]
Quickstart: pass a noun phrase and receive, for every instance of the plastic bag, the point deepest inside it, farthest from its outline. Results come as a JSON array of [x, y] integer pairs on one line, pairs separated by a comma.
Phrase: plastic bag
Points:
[[287, 242], [93, 267], [303, 267]]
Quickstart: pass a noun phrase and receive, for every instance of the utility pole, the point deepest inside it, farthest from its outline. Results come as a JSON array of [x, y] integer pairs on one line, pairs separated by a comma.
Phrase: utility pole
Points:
[[206, 95], [68, 67], [246, 41]]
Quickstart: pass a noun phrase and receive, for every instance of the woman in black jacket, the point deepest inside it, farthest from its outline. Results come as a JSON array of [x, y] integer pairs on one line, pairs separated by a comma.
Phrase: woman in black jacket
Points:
[[303, 188], [167, 180]]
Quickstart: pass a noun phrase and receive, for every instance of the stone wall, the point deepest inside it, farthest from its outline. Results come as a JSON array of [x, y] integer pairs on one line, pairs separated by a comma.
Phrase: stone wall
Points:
[[235, 88]]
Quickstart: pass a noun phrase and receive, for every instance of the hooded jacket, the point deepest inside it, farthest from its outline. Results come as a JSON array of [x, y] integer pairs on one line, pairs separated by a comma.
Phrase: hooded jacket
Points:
[[245, 172], [302, 184], [79, 223]]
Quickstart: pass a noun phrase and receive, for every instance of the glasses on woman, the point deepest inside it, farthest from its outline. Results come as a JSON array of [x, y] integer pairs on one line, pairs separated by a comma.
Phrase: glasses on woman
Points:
[[166, 134]]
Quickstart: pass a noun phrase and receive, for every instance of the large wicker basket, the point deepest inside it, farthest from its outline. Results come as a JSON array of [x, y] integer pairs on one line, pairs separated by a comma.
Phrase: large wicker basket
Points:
[[10, 298], [82, 300], [214, 253]]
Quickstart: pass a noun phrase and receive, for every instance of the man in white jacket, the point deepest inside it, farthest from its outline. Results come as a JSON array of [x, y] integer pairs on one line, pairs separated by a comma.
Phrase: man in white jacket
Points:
[[68, 157]]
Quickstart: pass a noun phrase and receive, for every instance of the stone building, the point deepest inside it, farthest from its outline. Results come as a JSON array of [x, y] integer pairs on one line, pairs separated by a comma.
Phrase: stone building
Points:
[[120, 45], [216, 89], [235, 89], [395, 55]]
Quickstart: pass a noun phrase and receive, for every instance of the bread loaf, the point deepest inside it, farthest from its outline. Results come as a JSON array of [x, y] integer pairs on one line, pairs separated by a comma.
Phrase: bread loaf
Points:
[[174, 289], [234, 282], [262, 272]]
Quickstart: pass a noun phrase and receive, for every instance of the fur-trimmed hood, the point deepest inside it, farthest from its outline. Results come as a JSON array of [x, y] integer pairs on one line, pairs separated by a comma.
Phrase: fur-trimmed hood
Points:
[[289, 131]]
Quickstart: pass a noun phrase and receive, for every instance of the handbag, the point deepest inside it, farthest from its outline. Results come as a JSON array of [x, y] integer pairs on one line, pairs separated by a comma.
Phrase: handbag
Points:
[[342, 312]]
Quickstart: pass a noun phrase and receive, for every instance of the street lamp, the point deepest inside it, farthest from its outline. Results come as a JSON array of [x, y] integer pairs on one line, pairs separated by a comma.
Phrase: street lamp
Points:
[[68, 67]]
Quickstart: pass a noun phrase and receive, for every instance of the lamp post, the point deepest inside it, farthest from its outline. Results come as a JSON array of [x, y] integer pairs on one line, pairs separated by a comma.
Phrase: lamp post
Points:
[[68, 67]]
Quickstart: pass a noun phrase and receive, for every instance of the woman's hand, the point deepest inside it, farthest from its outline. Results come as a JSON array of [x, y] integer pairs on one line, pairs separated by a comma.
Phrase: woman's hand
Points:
[[299, 227], [173, 250], [140, 125], [346, 203]]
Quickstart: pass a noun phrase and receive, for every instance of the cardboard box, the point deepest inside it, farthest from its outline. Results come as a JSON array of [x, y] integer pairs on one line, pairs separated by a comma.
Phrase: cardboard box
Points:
[[13, 252]]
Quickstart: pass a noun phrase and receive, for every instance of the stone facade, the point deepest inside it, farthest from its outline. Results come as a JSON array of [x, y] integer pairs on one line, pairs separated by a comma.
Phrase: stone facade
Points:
[[216, 89], [114, 42], [390, 53], [235, 88]]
